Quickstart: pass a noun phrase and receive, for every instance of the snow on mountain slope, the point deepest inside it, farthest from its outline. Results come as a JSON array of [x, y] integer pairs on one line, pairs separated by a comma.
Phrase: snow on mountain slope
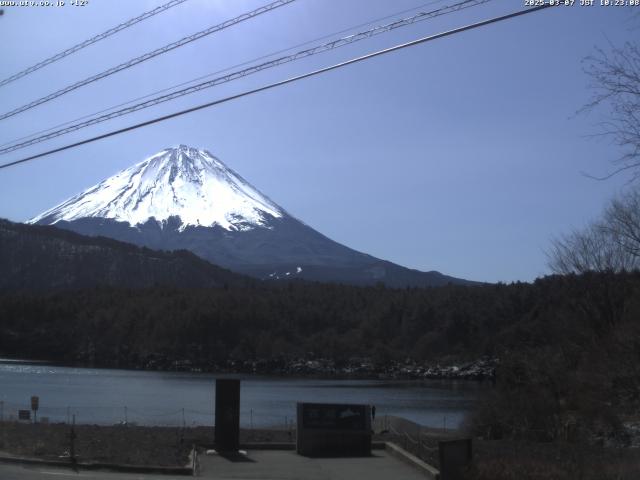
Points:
[[186, 199], [185, 182]]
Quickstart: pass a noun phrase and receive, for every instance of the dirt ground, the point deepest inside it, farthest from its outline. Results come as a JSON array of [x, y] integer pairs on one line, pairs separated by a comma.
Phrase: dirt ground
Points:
[[502, 460], [136, 445]]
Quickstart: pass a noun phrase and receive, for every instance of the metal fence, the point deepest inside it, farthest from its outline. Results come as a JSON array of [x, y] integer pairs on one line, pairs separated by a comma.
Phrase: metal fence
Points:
[[124, 415], [417, 439]]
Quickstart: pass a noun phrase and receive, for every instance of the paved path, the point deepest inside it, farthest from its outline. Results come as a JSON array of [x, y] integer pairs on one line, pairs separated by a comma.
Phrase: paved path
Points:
[[259, 464], [29, 472], [287, 465]]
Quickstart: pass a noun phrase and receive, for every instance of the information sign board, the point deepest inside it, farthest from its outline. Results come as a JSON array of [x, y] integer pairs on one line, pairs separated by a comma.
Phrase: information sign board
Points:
[[333, 429], [334, 417]]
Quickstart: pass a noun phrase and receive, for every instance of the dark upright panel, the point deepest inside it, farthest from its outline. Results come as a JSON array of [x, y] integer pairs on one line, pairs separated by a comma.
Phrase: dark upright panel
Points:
[[227, 415], [455, 457], [333, 429]]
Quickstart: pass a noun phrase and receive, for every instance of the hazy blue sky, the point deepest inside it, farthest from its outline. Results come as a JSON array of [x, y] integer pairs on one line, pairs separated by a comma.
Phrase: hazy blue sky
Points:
[[463, 155]]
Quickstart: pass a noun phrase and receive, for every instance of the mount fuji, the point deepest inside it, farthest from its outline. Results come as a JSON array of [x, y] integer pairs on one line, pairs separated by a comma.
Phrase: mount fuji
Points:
[[185, 198]]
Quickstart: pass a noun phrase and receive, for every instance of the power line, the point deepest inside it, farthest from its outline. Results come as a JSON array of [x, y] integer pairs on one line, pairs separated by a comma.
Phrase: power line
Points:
[[217, 72], [92, 40], [336, 43], [280, 83], [148, 56]]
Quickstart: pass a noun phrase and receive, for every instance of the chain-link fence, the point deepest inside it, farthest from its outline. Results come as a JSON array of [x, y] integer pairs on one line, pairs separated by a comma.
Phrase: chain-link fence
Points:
[[124, 415], [417, 439], [120, 434]]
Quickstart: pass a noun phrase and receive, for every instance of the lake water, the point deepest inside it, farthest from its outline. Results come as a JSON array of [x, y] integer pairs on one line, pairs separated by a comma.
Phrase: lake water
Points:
[[106, 397]]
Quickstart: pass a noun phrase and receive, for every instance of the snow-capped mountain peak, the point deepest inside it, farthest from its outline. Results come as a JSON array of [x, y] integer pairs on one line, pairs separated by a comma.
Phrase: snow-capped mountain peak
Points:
[[186, 182]]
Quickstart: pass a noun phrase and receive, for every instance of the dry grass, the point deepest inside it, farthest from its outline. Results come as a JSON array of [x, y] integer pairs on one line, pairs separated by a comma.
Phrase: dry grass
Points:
[[507, 460], [165, 446]]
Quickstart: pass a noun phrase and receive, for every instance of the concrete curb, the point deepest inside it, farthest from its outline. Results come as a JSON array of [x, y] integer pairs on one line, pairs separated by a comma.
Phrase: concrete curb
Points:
[[35, 461], [268, 446], [255, 446], [400, 453], [100, 466], [286, 446]]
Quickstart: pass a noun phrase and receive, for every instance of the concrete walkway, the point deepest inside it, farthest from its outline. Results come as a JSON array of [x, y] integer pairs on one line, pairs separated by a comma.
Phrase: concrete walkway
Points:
[[258, 464], [287, 465], [31, 472]]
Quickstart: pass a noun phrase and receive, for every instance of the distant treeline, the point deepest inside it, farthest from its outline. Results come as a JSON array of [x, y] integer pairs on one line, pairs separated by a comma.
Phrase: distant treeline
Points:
[[572, 342], [125, 327]]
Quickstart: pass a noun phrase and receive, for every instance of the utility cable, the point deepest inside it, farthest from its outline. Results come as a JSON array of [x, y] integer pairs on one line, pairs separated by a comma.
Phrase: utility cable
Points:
[[280, 83], [217, 72], [336, 43], [147, 56], [92, 40]]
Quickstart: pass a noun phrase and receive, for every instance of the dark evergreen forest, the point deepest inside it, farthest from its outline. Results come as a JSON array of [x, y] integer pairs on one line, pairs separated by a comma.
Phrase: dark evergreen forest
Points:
[[567, 345]]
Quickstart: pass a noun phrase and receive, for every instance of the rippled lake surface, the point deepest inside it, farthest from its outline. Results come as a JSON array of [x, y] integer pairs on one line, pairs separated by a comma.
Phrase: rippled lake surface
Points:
[[107, 396]]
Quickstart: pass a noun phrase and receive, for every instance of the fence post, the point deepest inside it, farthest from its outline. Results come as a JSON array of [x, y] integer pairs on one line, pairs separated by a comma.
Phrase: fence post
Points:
[[1, 410], [126, 420], [72, 438]]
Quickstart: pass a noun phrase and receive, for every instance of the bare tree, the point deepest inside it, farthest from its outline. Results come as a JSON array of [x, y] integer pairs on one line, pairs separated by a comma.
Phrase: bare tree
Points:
[[611, 244], [590, 250], [622, 222], [615, 81]]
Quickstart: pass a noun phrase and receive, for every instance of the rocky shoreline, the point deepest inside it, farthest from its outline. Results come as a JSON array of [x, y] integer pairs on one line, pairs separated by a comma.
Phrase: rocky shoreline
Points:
[[480, 369], [357, 368]]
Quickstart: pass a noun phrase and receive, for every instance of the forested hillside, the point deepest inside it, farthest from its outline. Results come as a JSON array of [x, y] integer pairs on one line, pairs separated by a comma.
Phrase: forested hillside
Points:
[[569, 322], [47, 258]]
